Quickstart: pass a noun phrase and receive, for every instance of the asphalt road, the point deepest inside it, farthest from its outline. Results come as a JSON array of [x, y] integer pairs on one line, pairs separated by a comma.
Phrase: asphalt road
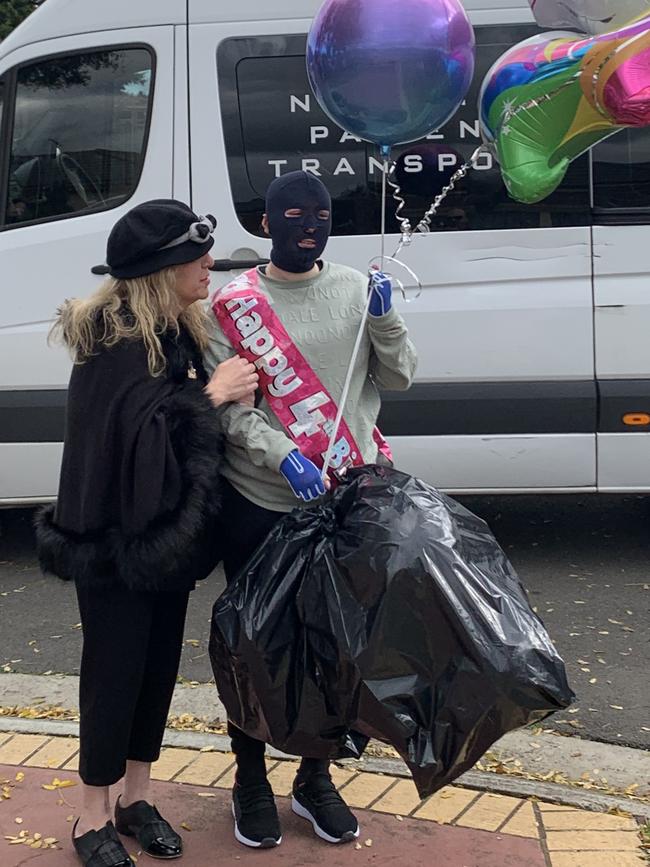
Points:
[[584, 561]]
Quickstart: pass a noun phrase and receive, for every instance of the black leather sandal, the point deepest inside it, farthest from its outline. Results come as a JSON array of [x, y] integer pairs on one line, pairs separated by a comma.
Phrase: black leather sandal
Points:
[[155, 835], [101, 848]]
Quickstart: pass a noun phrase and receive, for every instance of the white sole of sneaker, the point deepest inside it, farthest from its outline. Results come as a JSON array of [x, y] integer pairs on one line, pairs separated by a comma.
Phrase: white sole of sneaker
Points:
[[304, 813], [266, 843]]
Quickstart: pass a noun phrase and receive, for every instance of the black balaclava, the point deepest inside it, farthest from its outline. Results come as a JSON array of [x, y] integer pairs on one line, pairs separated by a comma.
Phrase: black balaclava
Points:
[[305, 191]]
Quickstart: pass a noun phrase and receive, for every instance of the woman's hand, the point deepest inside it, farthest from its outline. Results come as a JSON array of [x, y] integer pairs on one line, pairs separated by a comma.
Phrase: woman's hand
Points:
[[233, 380]]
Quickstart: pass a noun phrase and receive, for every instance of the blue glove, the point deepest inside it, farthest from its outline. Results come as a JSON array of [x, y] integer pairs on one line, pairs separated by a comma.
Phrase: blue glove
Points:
[[303, 476], [381, 292]]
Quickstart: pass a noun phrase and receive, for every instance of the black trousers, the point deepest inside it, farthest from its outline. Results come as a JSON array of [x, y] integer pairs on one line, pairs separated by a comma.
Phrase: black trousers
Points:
[[131, 652], [247, 525]]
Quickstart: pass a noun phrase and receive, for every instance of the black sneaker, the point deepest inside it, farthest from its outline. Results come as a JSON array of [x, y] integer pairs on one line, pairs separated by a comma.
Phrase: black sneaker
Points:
[[256, 818], [315, 798]]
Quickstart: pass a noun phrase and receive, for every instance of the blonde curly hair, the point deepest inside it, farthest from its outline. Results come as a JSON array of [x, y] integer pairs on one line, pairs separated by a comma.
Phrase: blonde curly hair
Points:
[[85, 324]]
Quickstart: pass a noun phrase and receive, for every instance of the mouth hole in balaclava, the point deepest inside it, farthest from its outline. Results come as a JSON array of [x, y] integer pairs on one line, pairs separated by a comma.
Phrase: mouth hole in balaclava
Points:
[[299, 211]]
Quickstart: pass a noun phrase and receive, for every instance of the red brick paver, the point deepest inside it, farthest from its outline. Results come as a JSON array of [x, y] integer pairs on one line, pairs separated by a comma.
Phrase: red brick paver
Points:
[[210, 841]]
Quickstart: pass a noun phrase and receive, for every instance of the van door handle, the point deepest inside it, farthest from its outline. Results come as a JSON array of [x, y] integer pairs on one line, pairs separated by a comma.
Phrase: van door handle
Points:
[[231, 264]]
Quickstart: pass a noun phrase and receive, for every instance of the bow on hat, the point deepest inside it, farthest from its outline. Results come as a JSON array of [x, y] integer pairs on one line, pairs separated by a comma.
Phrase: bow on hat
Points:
[[198, 232]]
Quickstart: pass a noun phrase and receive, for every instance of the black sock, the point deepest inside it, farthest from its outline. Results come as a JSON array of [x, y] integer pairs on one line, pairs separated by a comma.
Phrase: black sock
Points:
[[309, 767], [249, 753]]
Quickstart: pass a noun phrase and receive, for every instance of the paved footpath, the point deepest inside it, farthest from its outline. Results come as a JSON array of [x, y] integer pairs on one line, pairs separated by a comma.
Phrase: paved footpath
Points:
[[457, 827]]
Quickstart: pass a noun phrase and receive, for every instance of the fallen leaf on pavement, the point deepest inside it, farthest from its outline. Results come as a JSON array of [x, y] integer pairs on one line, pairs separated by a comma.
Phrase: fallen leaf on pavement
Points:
[[42, 712], [617, 811], [58, 784]]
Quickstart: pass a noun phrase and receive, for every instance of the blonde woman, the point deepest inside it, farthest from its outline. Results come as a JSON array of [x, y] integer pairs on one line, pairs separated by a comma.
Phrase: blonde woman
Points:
[[139, 491]]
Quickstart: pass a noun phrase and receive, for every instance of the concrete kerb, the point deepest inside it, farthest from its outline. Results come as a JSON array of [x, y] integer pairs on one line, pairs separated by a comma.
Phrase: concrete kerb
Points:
[[475, 780], [540, 754]]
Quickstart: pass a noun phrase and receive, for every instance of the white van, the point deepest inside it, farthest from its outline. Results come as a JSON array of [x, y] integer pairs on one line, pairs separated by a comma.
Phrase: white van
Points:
[[533, 326]]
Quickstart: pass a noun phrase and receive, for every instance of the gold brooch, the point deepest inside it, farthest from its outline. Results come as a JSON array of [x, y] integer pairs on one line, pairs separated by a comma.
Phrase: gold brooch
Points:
[[191, 371]]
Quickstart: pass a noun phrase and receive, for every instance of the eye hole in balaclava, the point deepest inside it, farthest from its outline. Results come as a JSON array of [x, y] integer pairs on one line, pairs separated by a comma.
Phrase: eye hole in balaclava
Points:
[[299, 211]]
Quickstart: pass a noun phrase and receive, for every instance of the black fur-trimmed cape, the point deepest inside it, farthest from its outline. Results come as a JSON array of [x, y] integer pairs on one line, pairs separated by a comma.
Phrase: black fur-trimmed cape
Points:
[[139, 489]]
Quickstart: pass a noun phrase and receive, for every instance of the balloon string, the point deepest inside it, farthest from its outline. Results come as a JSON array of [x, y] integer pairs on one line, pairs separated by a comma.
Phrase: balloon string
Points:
[[384, 173], [346, 387], [402, 288], [360, 333], [424, 226], [404, 222]]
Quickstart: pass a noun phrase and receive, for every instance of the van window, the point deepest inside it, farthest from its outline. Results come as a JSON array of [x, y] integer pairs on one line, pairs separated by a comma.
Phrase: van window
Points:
[[273, 124], [621, 172], [79, 133]]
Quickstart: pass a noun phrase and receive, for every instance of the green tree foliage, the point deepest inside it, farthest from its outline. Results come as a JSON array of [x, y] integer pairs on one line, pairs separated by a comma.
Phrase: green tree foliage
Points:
[[12, 12]]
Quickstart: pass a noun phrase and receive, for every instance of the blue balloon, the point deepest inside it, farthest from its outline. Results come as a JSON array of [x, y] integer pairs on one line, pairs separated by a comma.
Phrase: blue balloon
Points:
[[390, 71]]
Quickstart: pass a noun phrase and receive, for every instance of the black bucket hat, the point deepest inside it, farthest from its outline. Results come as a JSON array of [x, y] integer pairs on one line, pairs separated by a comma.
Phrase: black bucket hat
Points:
[[157, 235]]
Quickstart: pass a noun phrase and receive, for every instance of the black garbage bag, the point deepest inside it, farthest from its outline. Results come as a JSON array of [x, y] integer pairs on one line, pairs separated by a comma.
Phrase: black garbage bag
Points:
[[389, 611]]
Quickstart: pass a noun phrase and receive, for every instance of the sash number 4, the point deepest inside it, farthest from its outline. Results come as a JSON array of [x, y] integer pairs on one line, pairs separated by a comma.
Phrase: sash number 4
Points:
[[309, 418]]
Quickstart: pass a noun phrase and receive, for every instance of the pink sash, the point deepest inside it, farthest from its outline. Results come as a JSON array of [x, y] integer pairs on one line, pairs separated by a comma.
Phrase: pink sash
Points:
[[304, 408]]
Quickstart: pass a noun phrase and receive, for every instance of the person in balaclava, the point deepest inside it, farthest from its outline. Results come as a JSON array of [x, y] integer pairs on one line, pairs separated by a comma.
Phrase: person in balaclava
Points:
[[320, 304]]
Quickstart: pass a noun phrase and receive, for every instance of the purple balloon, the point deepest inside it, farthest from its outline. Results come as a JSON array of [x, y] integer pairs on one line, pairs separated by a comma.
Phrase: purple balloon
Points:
[[390, 71]]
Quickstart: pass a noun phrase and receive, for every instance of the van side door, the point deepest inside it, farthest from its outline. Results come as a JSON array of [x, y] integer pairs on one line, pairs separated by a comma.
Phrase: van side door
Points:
[[621, 180], [505, 396], [87, 133]]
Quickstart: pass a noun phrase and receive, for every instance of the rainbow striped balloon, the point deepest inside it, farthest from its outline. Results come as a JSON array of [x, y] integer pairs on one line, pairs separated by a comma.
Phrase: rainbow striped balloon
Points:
[[552, 97]]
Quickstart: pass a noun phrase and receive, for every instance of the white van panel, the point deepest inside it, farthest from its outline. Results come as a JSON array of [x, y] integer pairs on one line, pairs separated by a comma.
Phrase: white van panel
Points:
[[488, 463], [181, 169], [505, 305], [623, 462], [204, 12], [64, 17], [29, 471], [622, 301], [23, 350]]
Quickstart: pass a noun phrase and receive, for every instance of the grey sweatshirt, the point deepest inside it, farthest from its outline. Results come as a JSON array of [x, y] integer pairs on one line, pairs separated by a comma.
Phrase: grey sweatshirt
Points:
[[322, 316]]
